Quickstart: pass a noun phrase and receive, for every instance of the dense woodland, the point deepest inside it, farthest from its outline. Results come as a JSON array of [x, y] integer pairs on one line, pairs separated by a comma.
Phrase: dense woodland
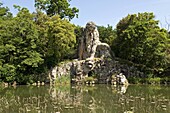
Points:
[[32, 43]]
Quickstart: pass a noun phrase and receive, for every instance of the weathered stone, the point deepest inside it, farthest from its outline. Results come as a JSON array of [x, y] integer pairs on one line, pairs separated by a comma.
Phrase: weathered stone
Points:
[[119, 79], [95, 59], [90, 46]]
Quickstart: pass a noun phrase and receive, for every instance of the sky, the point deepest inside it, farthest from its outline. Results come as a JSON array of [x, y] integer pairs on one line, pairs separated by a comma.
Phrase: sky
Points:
[[107, 12]]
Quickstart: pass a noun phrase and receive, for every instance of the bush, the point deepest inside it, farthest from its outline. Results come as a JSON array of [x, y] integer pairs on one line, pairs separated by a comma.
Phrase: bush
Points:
[[63, 80]]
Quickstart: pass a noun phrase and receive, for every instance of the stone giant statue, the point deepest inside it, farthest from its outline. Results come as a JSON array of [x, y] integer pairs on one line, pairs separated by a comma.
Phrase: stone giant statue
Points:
[[88, 41], [94, 59]]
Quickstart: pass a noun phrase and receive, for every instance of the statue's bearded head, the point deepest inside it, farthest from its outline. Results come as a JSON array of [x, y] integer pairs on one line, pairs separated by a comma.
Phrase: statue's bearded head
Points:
[[90, 26]]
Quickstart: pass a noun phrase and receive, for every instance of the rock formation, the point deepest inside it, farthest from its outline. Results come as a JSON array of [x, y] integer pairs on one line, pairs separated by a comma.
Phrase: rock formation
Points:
[[92, 54], [90, 46], [95, 63]]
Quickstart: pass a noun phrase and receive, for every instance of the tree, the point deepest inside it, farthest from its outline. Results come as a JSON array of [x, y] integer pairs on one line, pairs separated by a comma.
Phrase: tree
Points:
[[4, 12], [107, 34], [167, 70], [57, 7], [61, 39], [142, 41], [57, 38], [18, 50], [30, 44]]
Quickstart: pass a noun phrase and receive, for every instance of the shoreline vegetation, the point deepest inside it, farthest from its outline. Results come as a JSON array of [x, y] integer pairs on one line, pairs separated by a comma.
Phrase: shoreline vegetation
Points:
[[32, 43], [132, 81], [66, 81], [152, 81]]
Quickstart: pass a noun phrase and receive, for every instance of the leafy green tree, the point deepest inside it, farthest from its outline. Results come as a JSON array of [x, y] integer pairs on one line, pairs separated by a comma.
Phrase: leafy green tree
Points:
[[18, 54], [167, 71], [57, 7], [57, 38], [79, 33], [4, 12], [107, 34], [6, 69], [32, 43], [142, 41], [61, 39]]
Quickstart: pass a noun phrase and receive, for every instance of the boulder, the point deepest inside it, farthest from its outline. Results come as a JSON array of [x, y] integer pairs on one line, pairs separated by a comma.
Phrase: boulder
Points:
[[119, 79]]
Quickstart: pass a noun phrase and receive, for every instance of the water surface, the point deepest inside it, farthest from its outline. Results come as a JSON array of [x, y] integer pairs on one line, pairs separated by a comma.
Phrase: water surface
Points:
[[85, 99]]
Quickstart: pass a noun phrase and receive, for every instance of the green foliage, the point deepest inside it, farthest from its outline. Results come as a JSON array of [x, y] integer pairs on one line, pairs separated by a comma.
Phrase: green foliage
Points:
[[149, 80], [140, 40], [63, 80], [107, 34], [8, 72], [30, 44], [90, 79], [19, 54], [135, 80], [155, 80], [57, 7], [165, 80], [4, 12], [78, 32], [167, 71], [61, 39], [17, 7], [56, 36]]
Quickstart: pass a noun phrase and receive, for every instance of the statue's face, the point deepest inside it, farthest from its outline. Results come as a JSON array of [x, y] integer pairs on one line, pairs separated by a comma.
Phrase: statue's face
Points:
[[90, 26]]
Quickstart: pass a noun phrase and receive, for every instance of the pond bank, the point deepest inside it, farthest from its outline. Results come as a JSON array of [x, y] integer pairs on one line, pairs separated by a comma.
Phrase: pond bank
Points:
[[65, 80]]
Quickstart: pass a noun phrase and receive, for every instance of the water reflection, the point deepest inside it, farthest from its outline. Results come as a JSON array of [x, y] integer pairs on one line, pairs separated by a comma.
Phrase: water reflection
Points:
[[85, 99]]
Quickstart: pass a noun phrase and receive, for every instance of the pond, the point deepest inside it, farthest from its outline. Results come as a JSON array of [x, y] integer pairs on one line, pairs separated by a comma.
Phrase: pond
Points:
[[85, 99]]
